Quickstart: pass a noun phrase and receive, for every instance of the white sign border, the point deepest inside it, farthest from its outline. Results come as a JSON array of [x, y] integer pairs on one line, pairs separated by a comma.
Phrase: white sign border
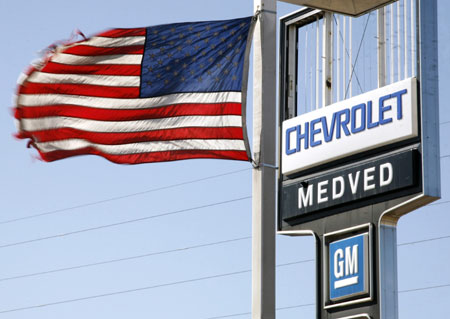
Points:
[[355, 143]]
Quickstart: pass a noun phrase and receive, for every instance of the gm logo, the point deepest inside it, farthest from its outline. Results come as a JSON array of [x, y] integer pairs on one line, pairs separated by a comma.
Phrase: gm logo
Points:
[[348, 267]]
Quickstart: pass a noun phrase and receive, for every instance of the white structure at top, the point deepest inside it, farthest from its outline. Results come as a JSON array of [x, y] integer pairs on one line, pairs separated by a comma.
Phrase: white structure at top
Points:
[[348, 7], [339, 56]]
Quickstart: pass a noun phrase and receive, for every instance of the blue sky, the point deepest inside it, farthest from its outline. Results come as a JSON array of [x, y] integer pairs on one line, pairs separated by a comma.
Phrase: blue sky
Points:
[[29, 187]]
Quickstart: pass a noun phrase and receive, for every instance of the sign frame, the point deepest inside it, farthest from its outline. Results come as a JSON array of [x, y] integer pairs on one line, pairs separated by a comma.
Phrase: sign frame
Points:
[[383, 216], [342, 235], [373, 120], [427, 101]]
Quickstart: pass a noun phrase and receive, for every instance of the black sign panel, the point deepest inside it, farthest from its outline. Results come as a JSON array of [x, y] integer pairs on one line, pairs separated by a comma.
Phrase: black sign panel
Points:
[[367, 180]]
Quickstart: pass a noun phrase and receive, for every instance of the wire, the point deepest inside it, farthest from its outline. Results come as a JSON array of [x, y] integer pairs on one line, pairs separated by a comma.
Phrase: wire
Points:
[[125, 258], [424, 288], [439, 203], [142, 219], [357, 56], [249, 313], [62, 210], [124, 222], [146, 218], [348, 54], [423, 241], [232, 315], [120, 292], [104, 262], [126, 291], [313, 304], [189, 280]]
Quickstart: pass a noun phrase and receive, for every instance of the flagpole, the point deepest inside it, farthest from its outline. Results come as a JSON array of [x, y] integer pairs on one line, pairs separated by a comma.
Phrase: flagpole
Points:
[[264, 141]]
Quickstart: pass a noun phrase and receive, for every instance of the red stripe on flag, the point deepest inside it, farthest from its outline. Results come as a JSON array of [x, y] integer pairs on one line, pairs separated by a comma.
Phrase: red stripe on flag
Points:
[[91, 50], [233, 133], [116, 33], [81, 89], [100, 69], [147, 157], [128, 115]]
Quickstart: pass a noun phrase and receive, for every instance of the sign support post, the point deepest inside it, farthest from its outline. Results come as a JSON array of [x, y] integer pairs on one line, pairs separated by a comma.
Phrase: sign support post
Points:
[[264, 141], [388, 270]]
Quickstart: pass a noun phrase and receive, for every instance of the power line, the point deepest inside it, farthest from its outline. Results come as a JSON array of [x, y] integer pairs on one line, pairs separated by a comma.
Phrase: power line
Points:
[[104, 262], [232, 315], [423, 240], [125, 291], [137, 220], [124, 259], [348, 54], [357, 56], [438, 203], [142, 219], [249, 313], [62, 210], [424, 288], [121, 292], [129, 221], [313, 304]]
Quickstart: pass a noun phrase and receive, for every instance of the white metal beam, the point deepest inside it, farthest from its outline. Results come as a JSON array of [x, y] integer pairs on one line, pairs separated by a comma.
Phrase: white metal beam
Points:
[[327, 62], [381, 47], [264, 141]]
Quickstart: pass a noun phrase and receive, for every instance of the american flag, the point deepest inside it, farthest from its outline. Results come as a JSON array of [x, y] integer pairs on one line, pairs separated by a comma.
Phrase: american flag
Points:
[[161, 93]]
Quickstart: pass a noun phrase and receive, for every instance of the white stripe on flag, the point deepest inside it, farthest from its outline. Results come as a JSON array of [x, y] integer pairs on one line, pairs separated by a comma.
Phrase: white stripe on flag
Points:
[[144, 147], [140, 103], [108, 80], [56, 122], [113, 42], [22, 78], [72, 59]]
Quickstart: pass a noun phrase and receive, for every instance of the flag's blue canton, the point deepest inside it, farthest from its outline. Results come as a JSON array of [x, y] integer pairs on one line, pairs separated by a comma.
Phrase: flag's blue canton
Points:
[[194, 57]]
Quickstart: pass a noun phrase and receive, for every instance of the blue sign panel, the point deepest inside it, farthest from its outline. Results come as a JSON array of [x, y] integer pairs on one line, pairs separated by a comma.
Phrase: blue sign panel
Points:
[[348, 267]]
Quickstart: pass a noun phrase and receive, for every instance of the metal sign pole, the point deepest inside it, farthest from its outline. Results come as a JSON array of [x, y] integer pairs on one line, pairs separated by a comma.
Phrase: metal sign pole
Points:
[[264, 137]]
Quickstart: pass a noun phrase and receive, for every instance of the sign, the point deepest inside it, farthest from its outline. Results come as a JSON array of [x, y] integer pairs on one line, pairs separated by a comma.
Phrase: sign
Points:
[[364, 122], [366, 180], [349, 267], [350, 170]]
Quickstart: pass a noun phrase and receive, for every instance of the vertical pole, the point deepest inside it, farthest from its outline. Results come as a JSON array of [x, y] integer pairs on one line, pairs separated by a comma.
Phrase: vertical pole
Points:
[[264, 140], [387, 272], [327, 65], [405, 38], [311, 69], [381, 48], [317, 63], [292, 72], [428, 75], [391, 40], [338, 58], [344, 58], [399, 76], [350, 58], [307, 107], [413, 40]]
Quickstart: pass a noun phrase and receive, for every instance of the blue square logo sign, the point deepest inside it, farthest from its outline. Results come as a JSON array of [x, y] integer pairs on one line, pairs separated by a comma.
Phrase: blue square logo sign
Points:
[[348, 267]]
